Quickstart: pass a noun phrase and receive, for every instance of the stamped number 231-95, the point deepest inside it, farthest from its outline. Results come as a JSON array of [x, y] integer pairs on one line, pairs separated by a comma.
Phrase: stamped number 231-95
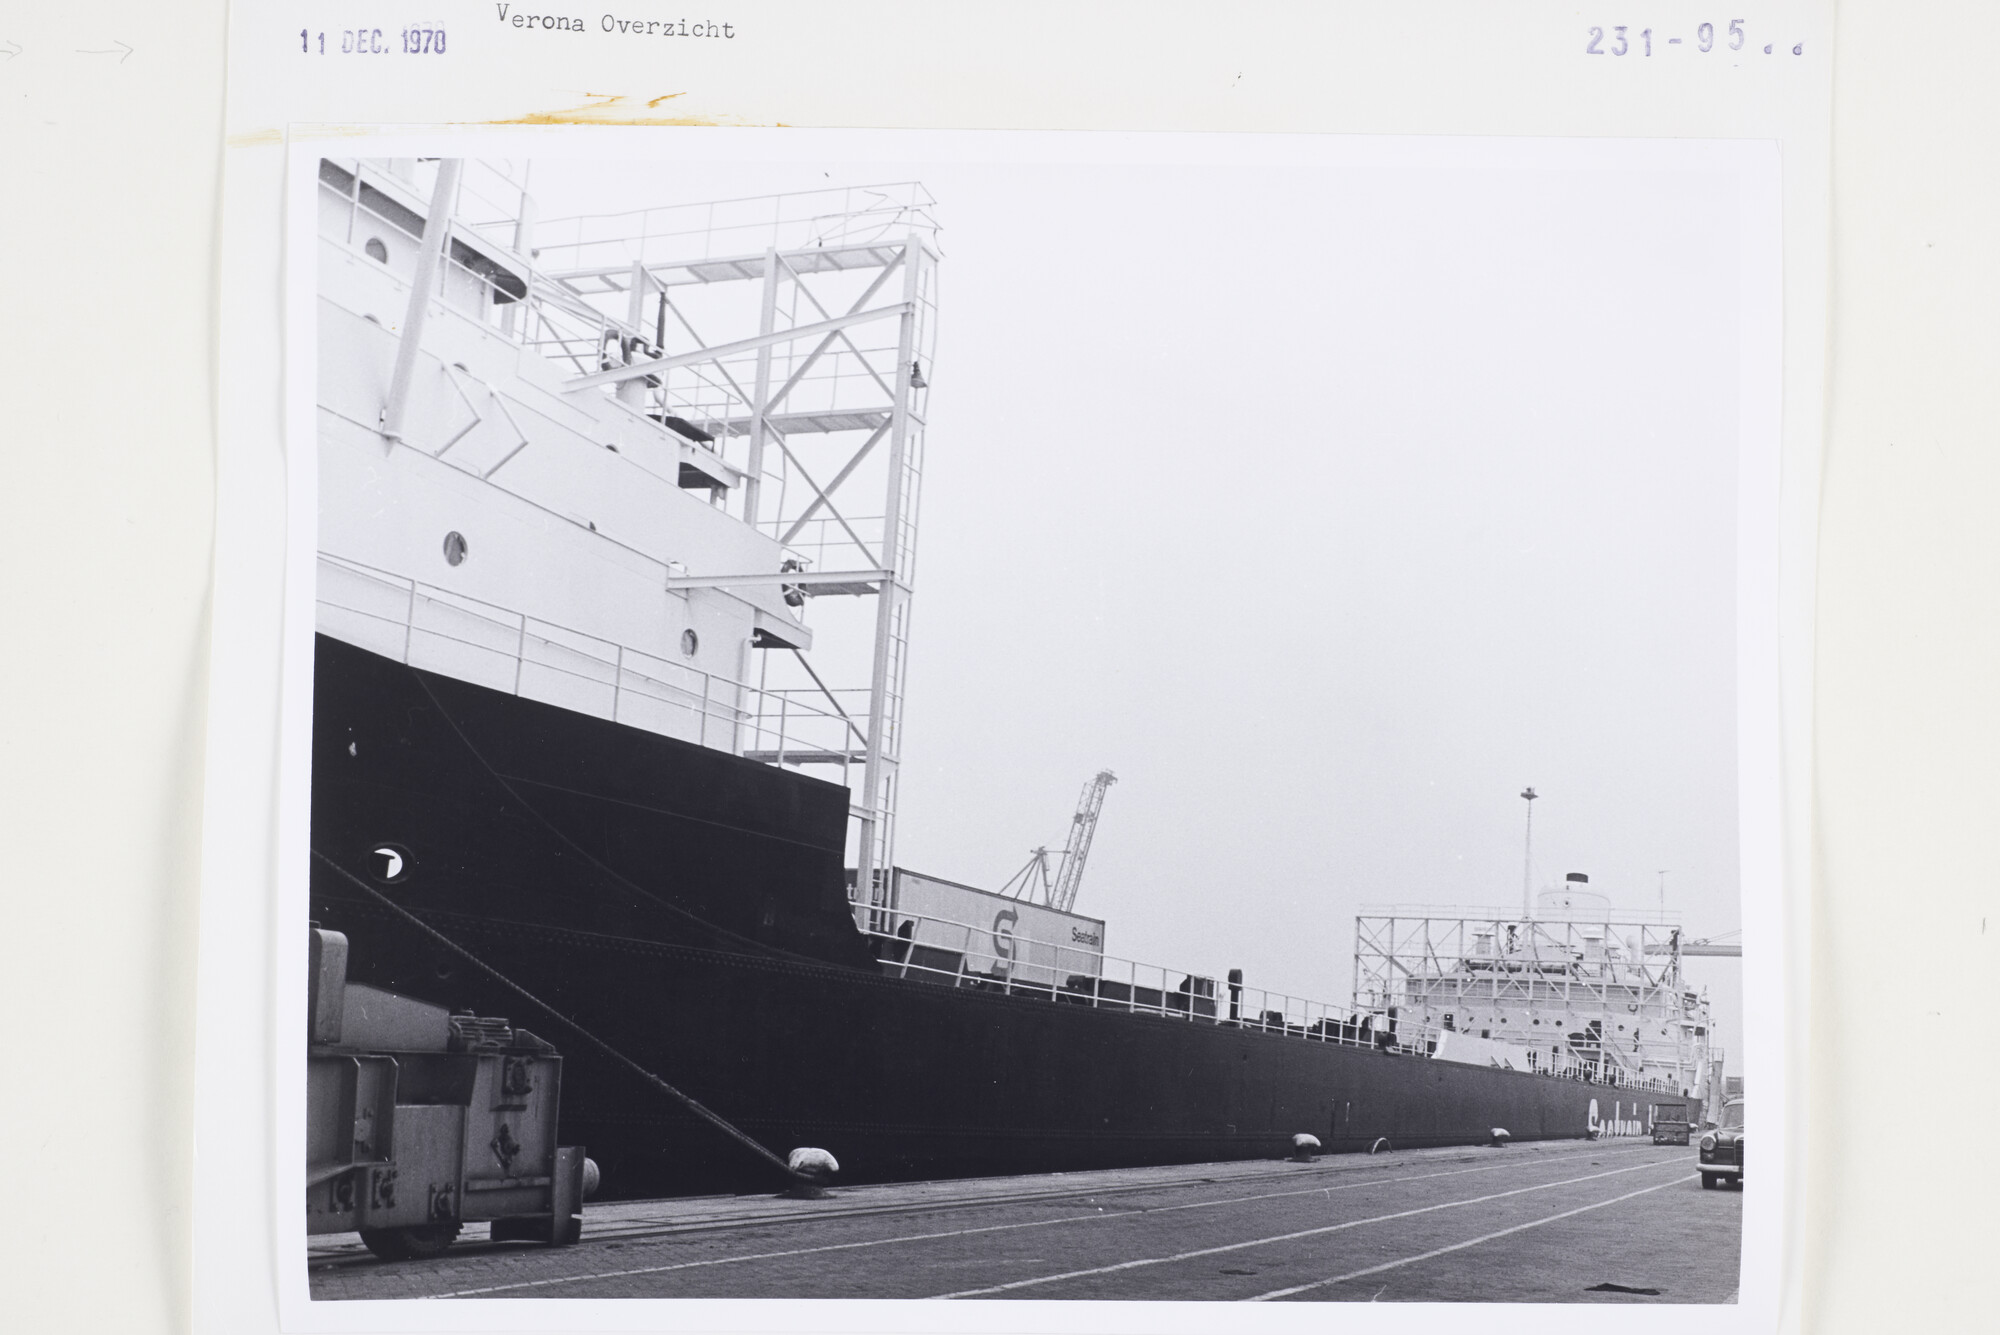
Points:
[[1619, 40]]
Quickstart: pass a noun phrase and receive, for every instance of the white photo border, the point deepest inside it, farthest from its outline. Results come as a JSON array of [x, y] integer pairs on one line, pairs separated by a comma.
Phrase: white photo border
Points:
[[1772, 1018]]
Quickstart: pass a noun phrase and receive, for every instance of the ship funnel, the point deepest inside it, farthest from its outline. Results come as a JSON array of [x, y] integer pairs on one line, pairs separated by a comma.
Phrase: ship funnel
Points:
[[1574, 895]]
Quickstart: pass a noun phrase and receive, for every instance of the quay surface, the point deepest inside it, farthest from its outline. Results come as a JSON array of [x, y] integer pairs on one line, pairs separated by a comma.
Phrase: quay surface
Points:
[[1555, 1221]]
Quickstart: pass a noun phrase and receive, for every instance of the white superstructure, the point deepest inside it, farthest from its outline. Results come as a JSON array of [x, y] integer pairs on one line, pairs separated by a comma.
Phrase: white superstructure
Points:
[[610, 462], [1577, 985]]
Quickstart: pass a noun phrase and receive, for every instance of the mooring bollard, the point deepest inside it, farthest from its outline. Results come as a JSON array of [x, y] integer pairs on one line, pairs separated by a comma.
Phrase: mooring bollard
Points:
[[1304, 1147], [1500, 1137], [811, 1171]]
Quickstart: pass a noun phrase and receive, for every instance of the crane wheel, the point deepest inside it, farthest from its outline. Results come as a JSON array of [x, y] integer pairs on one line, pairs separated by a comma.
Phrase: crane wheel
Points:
[[413, 1243]]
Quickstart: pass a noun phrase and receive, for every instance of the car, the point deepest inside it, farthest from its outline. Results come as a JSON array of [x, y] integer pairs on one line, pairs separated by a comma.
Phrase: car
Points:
[[1722, 1147]]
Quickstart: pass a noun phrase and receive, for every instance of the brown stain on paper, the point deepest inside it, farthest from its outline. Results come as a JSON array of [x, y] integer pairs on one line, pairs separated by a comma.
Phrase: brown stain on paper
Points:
[[305, 133], [600, 109], [607, 109]]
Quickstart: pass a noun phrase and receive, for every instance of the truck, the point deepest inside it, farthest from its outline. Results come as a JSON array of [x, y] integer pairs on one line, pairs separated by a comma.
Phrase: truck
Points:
[[1670, 1123], [420, 1120]]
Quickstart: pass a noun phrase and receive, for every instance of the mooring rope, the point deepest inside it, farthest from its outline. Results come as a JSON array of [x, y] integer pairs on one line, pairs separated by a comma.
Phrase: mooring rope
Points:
[[494, 773], [693, 1104]]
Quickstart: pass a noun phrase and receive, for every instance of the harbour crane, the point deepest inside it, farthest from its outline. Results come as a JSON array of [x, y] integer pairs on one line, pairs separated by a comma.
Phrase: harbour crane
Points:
[[1059, 891]]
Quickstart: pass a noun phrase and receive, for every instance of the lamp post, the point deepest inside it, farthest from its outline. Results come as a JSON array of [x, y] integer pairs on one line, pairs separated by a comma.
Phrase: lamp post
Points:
[[1528, 860]]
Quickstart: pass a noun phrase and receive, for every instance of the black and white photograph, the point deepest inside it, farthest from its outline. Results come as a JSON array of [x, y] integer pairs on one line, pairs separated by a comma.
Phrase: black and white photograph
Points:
[[1072, 717], [902, 669]]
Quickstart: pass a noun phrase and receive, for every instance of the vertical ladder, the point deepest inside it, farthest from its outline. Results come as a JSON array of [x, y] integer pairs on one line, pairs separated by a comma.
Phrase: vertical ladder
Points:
[[876, 810]]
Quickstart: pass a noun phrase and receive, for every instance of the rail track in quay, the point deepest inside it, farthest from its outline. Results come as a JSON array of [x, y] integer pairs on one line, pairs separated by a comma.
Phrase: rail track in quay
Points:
[[1561, 1221]]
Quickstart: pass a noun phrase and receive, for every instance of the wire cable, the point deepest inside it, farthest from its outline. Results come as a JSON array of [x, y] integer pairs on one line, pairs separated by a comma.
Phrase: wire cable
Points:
[[692, 1104], [759, 947]]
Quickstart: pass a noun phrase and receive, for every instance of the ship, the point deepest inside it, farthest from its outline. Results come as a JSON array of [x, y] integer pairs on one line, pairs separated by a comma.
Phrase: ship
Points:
[[616, 553]]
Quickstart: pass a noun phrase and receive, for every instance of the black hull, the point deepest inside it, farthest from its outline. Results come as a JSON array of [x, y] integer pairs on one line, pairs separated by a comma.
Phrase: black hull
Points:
[[688, 907]]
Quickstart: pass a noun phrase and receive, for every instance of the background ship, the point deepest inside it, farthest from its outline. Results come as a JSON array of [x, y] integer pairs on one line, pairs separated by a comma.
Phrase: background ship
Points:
[[579, 481]]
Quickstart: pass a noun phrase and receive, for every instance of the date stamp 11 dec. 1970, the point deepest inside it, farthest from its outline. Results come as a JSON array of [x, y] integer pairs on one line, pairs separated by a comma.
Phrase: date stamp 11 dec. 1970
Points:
[[427, 39]]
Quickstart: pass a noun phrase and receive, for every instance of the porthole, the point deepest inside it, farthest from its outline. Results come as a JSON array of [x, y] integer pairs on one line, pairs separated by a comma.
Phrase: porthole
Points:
[[389, 863], [454, 548], [689, 642], [376, 250]]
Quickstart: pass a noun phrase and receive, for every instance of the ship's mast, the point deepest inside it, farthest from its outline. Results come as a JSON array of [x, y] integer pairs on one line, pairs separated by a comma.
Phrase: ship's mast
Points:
[[423, 288], [765, 354]]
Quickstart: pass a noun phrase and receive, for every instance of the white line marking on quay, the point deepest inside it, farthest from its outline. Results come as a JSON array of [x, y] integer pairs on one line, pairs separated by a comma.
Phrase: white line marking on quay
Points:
[[640, 1228], [1459, 1246], [963, 1232], [1291, 1237]]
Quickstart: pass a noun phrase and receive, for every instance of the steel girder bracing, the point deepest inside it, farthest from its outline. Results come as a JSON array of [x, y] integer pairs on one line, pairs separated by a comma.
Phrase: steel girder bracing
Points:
[[1604, 992], [799, 367], [1083, 828], [890, 666]]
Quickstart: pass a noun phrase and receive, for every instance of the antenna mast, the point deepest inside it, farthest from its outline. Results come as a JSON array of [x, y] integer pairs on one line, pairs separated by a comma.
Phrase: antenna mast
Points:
[[1528, 860]]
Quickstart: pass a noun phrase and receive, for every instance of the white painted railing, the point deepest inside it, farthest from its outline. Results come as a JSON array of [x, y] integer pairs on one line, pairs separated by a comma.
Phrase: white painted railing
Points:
[[504, 649], [964, 955], [1493, 913]]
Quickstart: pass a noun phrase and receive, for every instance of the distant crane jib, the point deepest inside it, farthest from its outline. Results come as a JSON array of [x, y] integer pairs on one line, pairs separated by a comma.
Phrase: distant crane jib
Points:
[[1069, 877]]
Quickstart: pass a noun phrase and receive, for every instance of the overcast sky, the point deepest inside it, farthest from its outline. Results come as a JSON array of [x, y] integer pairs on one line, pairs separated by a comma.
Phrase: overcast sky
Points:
[[1329, 508]]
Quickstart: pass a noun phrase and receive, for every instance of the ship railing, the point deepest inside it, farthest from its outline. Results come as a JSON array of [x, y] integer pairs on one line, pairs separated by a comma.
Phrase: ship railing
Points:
[[1567, 1064], [492, 192], [738, 229], [1608, 1075], [934, 949], [469, 281], [571, 328], [544, 317], [430, 627], [964, 955], [1505, 916], [820, 541], [577, 309], [582, 330]]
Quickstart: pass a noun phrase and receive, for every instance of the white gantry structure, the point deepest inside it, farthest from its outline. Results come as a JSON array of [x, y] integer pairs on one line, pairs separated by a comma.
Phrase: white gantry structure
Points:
[[661, 466]]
